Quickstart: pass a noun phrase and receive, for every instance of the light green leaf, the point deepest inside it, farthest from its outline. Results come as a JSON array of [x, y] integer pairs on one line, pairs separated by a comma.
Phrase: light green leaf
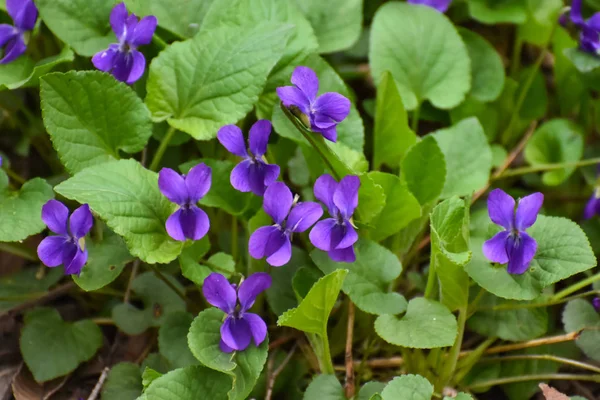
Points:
[[82, 24], [563, 250], [324, 387], [91, 116], [371, 199], [497, 12], [190, 383], [172, 339], [487, 69], [401, 207], [580, 314], [312, 313], [424, 170], [148, 376], [337, 23], [124, 382], [427, 324], [468, 157], [22, 209], [45, 336], [433, 66], [370, 389], [304, 279], [183, 18], [126, 196], [190, 258], [23, 72], [213, 79], [25, 284], [413, 387], [105, 262], [221, 195], [392, 136], [369, 277], [245, 366], [584, 62], [557, 141], [460, 396], [496, 319], [159, 301]]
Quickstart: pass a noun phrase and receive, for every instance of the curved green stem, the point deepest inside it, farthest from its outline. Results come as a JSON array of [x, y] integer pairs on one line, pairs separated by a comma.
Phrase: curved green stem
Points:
[[543, 357], [576, 286], [540, 377], [547, 167], [415, 118], [162, 148]]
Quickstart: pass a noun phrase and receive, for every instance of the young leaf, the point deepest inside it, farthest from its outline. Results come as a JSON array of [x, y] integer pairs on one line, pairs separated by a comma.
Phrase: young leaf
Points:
[[434, 65], [427, 324], [190, 383], [45, 336], [371, 199], [126, 196], [413, 387], [91, 116], [22, 209], [325, 387], [312, 313], [424, 170], [124, 382], [580, 314], [189, 261], [369, 277], [468, 157], [213, 79], [172, 339], [370, 389]]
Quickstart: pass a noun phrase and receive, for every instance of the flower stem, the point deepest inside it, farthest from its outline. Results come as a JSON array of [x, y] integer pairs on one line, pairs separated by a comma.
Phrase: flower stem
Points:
[[545, 357], [14, 176], [414, 126], [575, 287], [430, 283], [157, 40], [174, 288], [547, 167], [540, 377], [450, 364], [164, 143]]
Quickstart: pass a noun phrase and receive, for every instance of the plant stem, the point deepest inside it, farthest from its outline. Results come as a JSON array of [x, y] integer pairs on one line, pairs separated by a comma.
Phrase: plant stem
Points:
[[20, 250], [14, 176], [540, 377], [515, 63], [103, 321], [327, 364], [164, 143], [532, 343], [575, 287], [350, 387], [547, 167], [430, 283], [414, 126], [174, 288], [546, 357], [550, 302], [454, 354], [157, 40]]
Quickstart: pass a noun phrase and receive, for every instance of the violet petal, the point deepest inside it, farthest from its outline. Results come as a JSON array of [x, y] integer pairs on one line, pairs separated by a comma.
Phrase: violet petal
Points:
[[258, 137], [236, 333], [198, 182], [324, 188], [81, 221], [24, 13], [292, 96], [250, 288], [240, 176], [527, 210], [278, 201], [494, 249], [172, 186], [501, 208], [332, 105], [232, 139], [219, 293], [303, 216], [194, 223], [521, 251], [345, 196], [50, 250], [343, 255], [104, 60], [307, 81], [55, 215], [143, 32], [258, 328], [320, 236], [118, 20], [14, 48]]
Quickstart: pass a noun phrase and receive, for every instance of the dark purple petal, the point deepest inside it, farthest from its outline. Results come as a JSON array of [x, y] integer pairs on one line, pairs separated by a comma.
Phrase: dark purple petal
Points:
[[143, 31], [256, 178], [594, 22], [14, 48], [236, 333], [50, 250], [495, 248], [240, 176], [332, 105], [501, 208], [194, 223], [306, 80], [219, 293], [259, 137], [343, 255], [81, 221], [591, 207], [257, 327], [76, 264], [527, 210], [321, 235], [440, 5], [322, 122], [329, 134], [249, 289], [7, 32], [137, 68], [172, 186], [292, 96], [576, 15], [23, 12], [224, 348], [349, 236], [104, 60], [265, 241], [278, 201], [232, 139], [198, 181], [324, 189], [283, 255], [271, 173], [129, 66], [55, 215], [521, 250], [303, 216], [345, 196], [173, 226], [118, 20], [596, 303]]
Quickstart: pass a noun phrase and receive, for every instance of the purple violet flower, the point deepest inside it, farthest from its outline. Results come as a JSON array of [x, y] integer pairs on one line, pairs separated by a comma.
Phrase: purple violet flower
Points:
[[589, 38], [513, 245], [253, 174], [337, 235], [440, 5], [189, 221], [240, 326], [596, 303], [68, 246], [323, 112], [593, 205], [289, 216], [122, 59], [12, 38]]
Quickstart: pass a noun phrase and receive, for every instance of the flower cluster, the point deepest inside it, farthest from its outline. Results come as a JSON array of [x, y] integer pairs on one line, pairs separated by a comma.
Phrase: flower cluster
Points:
[[12, 38]]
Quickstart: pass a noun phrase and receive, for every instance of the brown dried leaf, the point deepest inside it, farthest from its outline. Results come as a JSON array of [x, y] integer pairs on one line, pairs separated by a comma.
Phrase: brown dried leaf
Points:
[[552, 394], [26, 388]]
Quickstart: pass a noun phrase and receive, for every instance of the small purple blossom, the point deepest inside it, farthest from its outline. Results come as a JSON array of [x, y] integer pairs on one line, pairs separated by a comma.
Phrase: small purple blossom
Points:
[[240, 326], [189, 221], [253, 174], [273, 242], [122, 59], [324, 112], [68, 246], [596, 303], [12, 38], [592, 207], [440, 5], [513, 245], [337, 235], [589, 38]]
